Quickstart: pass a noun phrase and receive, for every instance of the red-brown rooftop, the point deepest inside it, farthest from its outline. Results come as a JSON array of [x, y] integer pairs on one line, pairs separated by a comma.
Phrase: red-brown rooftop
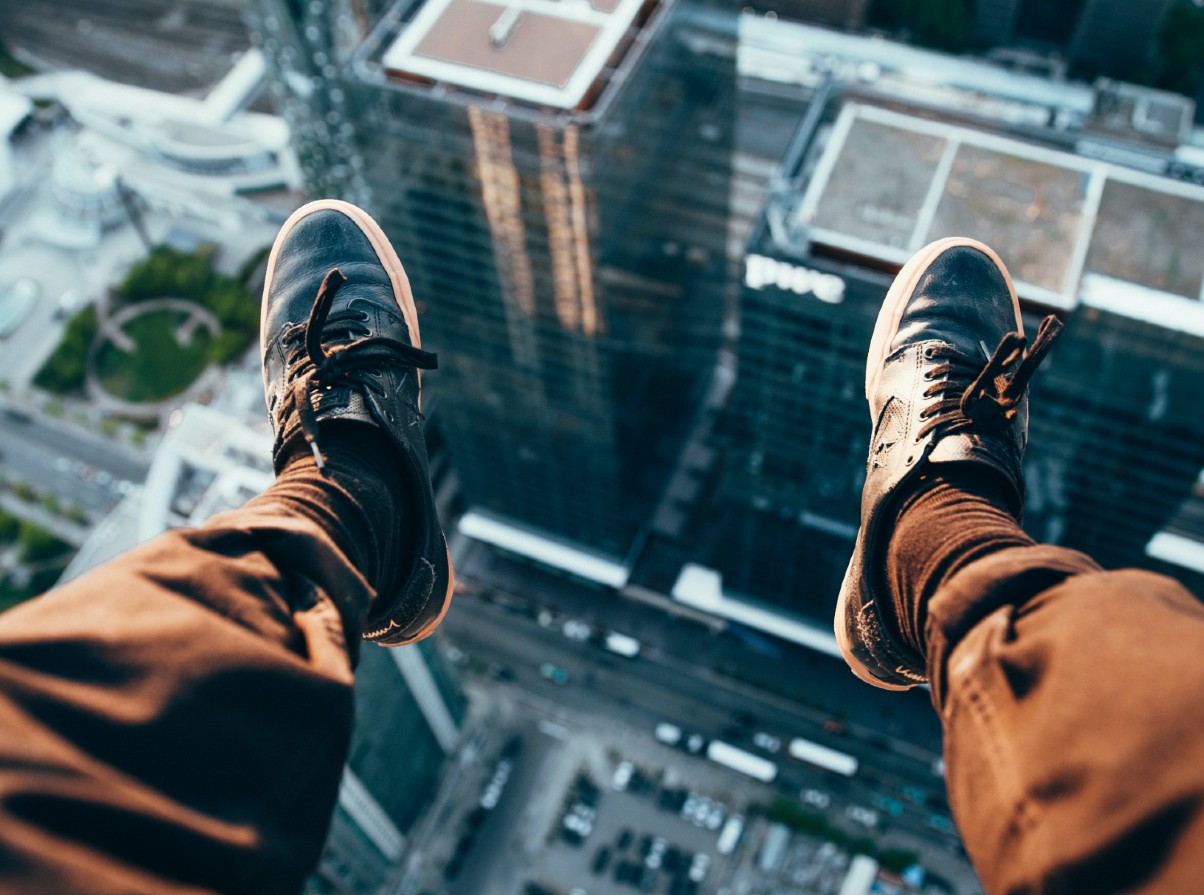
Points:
[[545, 53]]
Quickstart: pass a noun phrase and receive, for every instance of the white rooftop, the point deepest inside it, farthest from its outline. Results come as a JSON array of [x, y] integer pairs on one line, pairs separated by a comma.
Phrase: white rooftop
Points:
[[546, 52], [886, 183], [544, 549], [702, 588]]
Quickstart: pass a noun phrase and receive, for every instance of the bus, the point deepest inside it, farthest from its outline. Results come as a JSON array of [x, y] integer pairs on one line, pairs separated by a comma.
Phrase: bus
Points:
[[823, 757], [743, 762]]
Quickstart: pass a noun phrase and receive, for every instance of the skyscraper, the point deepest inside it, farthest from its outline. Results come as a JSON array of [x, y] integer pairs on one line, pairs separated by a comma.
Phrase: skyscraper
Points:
[[556, 179], [1117, 418], [408, 715], [1112, 36]]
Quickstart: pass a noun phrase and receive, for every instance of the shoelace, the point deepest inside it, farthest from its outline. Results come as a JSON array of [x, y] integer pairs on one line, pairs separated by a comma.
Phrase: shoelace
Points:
[[993, 396], [313, 366]]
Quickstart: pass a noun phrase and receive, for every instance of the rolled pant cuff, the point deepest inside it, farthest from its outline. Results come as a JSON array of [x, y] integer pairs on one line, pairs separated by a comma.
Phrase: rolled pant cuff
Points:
[[1010, 577]]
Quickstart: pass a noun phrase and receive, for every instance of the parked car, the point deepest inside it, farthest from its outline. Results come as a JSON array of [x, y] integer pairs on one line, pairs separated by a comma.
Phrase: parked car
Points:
[[622, 777], [767, 741], [816, 798], [575, 629], [554, 673], [863, 816]]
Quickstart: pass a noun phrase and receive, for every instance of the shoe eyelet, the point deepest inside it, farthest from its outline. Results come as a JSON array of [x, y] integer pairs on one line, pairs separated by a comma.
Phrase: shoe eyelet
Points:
[[910, 459]]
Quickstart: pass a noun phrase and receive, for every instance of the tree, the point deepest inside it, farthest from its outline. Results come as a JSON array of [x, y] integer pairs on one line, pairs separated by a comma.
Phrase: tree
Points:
[[39, 545], [66, 369], [10, 527], [940, 24], [1180, 55]]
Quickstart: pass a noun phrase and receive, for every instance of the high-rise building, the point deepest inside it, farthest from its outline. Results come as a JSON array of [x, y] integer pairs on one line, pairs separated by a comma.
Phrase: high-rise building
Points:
[[556, 179], [1117, 416], [1111, 36], [408, 712]]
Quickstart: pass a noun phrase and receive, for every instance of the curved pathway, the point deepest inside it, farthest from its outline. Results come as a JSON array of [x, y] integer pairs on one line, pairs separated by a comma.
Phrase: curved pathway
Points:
[[111, 331]]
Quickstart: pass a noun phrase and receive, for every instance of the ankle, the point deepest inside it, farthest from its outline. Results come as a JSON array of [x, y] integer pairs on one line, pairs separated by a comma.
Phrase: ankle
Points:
[[360, 496], [957, 514]]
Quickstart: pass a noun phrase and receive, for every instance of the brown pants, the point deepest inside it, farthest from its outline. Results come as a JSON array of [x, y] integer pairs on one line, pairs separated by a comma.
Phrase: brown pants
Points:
[[176, 721]]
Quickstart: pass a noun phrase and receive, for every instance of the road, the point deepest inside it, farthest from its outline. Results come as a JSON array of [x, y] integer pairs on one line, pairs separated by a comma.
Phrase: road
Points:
[[79, 467], [178, 46], [658, 686]]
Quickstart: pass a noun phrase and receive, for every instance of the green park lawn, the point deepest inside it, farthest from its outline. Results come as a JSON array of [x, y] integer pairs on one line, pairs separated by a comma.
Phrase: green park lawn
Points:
[[159, 366]]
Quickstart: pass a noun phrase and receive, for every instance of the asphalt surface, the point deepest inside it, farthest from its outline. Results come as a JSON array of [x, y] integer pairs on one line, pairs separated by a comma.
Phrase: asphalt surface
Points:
[[658, 686], [179, 46], [80, 468]]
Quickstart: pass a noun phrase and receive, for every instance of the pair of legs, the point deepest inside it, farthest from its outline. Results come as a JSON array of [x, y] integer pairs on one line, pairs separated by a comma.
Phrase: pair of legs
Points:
[[177, 720]]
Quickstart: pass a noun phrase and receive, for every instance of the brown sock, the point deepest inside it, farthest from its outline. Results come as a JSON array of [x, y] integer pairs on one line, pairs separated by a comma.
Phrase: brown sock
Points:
[[361, 499], [955, 517]]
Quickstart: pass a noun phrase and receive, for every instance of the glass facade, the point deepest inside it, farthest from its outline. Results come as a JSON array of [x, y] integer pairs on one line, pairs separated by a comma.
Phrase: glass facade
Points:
[[405, 726], [1117, 416], [570, 264]]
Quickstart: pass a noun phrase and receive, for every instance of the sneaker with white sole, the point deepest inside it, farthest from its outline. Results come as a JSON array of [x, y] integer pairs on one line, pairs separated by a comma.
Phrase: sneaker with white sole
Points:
[[947, 382], [339, 340]]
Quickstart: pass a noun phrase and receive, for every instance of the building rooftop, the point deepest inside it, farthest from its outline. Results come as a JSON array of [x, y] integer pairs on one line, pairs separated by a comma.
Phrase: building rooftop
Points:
[[886, 183], [538, 51]]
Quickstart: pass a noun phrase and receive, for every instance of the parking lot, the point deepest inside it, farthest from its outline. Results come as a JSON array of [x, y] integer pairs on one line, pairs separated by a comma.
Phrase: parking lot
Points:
[[640, 830]]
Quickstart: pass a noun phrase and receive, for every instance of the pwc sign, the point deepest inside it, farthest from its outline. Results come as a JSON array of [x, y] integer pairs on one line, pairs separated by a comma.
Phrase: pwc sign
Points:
[[760, 272]]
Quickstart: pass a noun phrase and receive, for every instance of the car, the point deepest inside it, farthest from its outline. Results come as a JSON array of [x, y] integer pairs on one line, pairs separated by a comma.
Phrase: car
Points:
[[554, 673], [669, 734], [625, 838], [915, 795], [942, 823], [699, 867], [815, 798], [456, 656], [656, 854], [893, 807], [695, 743], [767, 741], [496, 784], [575, 629], [579, 822], [500, 672], [715, 815], [834, 726], [627, 872], [863, 816], [601, 861], [622, 777], [674, 860]]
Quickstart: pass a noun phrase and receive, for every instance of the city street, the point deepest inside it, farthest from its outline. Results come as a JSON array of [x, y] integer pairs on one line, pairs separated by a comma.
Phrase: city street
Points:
[[605, 711], [78, 467], [658, 687]]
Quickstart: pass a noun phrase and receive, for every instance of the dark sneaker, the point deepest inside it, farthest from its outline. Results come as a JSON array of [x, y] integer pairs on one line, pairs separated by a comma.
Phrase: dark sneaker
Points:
[[947, 382], [339, 339]]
